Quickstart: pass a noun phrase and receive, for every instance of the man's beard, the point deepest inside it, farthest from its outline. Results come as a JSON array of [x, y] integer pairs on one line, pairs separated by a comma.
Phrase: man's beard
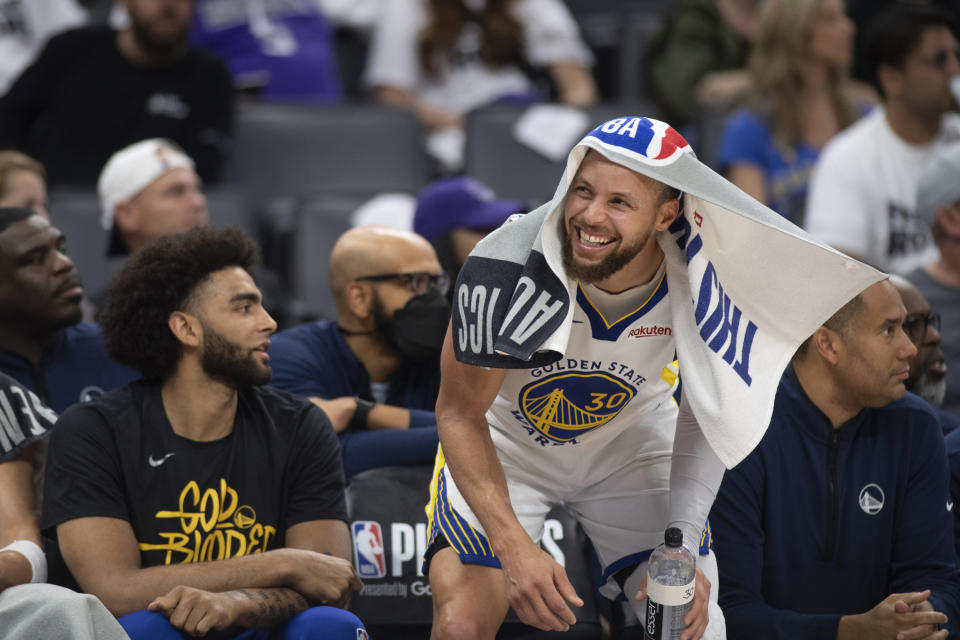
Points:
[[610, 265], [159, 47], [933, 391], [226, 361]]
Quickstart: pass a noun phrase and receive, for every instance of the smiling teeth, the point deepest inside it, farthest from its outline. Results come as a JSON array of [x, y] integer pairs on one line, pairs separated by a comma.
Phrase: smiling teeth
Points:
[[594, 240]]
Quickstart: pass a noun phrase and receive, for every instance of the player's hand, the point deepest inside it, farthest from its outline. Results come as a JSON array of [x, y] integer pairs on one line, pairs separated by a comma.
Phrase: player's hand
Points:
[[196, 611], [899, 616], [696, 620], [538, 589], [321, 578]]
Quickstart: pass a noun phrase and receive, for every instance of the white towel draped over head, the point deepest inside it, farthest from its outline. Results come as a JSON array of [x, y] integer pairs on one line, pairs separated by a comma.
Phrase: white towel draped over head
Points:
[[746, 286]]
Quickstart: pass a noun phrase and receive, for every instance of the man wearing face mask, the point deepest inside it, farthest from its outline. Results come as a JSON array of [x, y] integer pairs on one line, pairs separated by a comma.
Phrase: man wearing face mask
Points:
[[375, 370]]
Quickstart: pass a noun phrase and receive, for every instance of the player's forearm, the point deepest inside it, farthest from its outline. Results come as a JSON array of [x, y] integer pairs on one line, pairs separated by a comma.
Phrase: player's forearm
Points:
[[473, 462], [125, 592], [266, 608]]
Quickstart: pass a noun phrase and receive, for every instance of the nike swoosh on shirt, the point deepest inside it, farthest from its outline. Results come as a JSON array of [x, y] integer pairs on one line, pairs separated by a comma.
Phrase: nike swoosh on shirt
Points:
[[157, 463], [949, 506]]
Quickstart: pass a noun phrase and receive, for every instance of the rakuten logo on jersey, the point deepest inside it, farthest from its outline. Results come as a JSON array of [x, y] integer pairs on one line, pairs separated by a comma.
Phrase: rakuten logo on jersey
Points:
[[650, 332]]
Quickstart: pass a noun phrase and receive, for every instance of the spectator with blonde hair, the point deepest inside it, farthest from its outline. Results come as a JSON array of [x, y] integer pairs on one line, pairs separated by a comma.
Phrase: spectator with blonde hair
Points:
[[23, 182], [801, 96]]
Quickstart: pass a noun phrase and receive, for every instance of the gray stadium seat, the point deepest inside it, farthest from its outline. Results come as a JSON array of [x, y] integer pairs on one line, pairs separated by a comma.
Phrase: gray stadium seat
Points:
[[513, 170], [291, 150], [319, 222]]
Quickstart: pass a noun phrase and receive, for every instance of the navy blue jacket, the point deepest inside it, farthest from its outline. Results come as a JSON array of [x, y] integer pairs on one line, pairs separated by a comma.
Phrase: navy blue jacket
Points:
[[953, 454], [74, 369], [314, 360], [818, 523]]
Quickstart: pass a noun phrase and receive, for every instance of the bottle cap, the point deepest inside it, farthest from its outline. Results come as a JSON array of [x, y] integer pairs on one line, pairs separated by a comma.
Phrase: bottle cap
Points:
[[673, 537]]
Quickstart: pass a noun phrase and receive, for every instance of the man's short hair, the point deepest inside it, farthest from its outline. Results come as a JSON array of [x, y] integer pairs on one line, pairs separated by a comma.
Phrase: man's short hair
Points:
[[839, 321], [896, 32], [12, 215], [158, 281]]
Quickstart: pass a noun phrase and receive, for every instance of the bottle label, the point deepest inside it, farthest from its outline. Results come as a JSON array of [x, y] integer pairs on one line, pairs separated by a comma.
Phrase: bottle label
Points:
[[668, 595]]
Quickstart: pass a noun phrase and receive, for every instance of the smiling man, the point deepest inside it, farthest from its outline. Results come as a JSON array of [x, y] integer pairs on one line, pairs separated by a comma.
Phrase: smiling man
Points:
[[197, 494], [598, 436], [838, 524], [43, 344]]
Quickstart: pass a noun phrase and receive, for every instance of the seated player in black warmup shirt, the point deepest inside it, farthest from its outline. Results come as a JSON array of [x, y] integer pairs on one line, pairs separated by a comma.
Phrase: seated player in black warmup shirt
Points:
[[210, 501]]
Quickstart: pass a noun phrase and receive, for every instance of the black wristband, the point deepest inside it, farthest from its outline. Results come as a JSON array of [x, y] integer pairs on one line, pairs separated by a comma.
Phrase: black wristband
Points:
[[359, 419]]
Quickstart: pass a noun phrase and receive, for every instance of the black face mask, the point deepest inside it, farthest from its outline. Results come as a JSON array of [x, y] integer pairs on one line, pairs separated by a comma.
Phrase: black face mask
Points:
[[417, 330]]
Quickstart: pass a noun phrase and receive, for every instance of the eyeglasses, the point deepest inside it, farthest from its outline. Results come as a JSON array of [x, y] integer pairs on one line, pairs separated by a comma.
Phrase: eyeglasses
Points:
[[939, 59], [418, 282], [915, 324]]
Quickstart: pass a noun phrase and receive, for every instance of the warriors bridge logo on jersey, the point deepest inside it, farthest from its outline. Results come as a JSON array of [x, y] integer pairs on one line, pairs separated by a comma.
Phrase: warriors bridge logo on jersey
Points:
[[566, 405]]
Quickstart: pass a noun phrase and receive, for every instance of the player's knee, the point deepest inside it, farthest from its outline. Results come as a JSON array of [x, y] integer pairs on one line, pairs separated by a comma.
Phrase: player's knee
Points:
[[449, 624]]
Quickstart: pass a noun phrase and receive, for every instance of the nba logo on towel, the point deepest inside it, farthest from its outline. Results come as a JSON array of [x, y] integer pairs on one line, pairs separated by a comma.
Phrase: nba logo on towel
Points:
[[368, 549]]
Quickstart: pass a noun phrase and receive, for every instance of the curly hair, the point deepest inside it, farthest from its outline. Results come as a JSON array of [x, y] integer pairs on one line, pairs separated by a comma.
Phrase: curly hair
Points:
[[159, 280]]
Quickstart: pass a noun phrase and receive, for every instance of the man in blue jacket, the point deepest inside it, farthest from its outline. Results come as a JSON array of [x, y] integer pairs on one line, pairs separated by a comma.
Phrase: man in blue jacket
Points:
[[43, 344], [375, 371], [839, 523]]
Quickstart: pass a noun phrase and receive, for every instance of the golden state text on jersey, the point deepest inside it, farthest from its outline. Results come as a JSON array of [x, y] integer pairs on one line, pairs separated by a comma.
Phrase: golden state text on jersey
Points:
[[613, 371]]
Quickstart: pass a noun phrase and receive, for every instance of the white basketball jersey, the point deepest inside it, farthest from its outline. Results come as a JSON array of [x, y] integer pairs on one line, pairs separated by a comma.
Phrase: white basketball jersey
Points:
[[614, 375]]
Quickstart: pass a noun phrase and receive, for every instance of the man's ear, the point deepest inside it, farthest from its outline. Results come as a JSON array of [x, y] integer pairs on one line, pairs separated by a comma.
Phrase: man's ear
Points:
[[185, 328], [890, 79], [359, 299], [828, 344], [125, 217], [667, 212]]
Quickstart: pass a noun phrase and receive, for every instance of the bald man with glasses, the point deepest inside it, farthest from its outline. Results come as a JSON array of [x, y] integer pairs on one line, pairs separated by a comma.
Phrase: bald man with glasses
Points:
[[375, 369]]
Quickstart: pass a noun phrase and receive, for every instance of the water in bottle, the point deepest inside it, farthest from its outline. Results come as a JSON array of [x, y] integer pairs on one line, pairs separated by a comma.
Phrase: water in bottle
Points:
[[671, 579]]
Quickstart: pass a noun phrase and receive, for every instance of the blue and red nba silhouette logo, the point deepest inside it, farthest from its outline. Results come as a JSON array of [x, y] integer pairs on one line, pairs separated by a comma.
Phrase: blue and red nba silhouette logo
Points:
[[651, 139], [368, 555]]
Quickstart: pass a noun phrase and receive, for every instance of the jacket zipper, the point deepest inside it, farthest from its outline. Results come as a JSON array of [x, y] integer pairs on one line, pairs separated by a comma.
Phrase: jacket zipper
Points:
[[832, 506]]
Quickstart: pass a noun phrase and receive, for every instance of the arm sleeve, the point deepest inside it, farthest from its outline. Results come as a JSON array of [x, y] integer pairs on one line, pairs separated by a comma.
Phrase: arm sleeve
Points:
[[738, 534], [924, 551], [317, 482], [207, 139], [836, 205], [422, 418], [695, 475], [745, 140], [83, 477]]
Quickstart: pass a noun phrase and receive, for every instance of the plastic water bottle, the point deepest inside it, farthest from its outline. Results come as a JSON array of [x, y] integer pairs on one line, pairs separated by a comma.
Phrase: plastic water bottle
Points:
[[671, 580]]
